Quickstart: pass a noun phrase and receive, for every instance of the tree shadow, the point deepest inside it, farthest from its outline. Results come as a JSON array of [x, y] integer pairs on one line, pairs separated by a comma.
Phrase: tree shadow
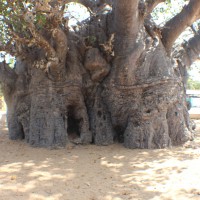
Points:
[[96, 172]]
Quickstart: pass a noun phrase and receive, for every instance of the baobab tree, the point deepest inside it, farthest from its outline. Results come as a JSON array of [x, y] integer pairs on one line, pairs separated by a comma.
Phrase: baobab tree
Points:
[[112, 77]]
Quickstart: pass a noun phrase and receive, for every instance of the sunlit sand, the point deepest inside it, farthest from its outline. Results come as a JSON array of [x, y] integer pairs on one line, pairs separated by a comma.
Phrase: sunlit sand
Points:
[[98, 173]]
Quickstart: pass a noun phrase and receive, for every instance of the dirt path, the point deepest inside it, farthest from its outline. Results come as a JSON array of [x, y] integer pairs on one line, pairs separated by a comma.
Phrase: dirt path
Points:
[[98, 173]]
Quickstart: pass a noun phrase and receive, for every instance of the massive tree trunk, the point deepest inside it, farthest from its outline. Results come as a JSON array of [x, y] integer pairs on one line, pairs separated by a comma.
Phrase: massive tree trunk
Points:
[[111, 80]]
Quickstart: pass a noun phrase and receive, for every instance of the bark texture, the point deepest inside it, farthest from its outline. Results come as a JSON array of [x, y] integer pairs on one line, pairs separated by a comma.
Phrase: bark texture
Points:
[[110, 80]]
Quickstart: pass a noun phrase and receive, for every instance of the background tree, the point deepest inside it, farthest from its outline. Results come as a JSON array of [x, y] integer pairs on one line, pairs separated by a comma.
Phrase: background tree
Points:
[[114, 76], [193, 85]]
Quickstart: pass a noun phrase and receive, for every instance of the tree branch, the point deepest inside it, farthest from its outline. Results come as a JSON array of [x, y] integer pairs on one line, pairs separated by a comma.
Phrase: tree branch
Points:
[[126, 23], [57, 67], [42, 42], [37, 39], [61, 46], [174, 27], [126, 17]]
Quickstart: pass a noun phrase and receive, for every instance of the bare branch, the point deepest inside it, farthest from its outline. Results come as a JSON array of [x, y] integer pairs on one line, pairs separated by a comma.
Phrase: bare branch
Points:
[[174, 27], [126, 22], [126, 16]]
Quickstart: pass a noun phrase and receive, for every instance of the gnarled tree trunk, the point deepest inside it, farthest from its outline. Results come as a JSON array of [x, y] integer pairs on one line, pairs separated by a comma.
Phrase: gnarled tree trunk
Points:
[[112, 80]]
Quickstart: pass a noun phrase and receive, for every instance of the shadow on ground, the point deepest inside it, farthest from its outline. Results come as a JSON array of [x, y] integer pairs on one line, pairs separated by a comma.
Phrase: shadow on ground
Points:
[[98, 173]]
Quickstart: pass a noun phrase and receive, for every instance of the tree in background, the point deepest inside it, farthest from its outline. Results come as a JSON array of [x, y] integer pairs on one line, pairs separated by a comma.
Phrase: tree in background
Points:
[[193, 85], [113, 76]]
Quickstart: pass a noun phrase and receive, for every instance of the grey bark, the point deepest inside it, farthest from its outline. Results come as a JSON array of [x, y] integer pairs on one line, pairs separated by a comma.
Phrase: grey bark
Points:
[[113, 81]]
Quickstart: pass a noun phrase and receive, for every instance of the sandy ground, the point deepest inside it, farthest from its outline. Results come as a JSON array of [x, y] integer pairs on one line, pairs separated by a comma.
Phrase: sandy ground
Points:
[[98, 173]]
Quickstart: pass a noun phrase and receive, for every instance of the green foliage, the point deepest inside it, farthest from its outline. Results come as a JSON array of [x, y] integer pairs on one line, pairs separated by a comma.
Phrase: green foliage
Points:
[[41, 20], [11, 18], [193, 85], [17, 15]]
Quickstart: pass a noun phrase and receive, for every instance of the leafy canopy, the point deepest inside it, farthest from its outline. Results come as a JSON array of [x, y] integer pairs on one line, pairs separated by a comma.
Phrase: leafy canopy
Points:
[[21, 18]]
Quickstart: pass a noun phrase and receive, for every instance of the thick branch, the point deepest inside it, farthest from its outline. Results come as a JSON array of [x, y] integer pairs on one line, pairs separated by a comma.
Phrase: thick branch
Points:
[[61, 46], [56, 68], [126, 17], [42, 42], [126, 23], [174, 27]]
